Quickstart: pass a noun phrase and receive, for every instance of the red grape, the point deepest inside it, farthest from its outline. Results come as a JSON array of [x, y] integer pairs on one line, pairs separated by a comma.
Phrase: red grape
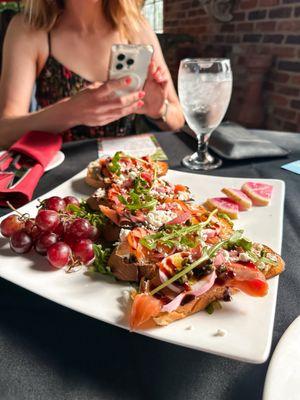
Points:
[[20, 242], [83, 250], [47, 220], [11, 224], [59, 254], [44, 241], [59, 230], [55, 203], [94, 233], [29, 224], [79, 229], [71, 200], [32, 229]]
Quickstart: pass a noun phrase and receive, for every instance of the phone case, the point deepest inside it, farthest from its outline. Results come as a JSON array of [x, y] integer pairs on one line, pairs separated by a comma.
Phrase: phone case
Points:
[[130, 60]]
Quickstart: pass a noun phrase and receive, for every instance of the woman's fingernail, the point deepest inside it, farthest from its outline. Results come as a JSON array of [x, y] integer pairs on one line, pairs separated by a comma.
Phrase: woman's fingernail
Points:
[[128, 81], [140, 103], [141, 94]]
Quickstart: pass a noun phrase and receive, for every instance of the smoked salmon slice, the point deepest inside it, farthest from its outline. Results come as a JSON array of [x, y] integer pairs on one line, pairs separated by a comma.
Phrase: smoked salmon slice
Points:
[[143, 309]]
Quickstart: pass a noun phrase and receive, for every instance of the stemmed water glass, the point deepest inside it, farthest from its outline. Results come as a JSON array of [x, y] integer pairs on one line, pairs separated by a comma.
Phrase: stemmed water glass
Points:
[[204, 87]]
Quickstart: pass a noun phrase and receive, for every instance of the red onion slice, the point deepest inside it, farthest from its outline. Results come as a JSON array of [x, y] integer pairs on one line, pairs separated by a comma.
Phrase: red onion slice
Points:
[[163, 277], [198, 288]]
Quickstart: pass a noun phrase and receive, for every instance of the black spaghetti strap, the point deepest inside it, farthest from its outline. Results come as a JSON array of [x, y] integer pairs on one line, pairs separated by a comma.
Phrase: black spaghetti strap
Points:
[[49, 42]]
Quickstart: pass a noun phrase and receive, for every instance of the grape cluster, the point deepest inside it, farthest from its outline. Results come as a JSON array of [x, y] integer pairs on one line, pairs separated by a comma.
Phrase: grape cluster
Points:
[[55, 232]]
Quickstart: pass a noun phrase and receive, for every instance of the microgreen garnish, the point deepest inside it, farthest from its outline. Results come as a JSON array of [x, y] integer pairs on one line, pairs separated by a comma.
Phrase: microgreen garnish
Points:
[[136, 202], [173, 235], [114, 166]]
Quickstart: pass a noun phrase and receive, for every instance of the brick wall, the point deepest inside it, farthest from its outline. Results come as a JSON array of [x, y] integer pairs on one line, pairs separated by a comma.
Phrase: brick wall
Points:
[[270, 27]]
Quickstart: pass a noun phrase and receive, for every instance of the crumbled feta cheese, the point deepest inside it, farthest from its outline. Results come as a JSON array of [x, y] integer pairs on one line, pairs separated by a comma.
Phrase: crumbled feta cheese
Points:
[[226, 255], [258, 246], [189, 328], [262, 266], [120, 180], [183, 196], [123, 234], [100, 193], [221, 332], [244, 257], [133, 174], [271, 256], [203, 236], [157, 218], [159, 195]]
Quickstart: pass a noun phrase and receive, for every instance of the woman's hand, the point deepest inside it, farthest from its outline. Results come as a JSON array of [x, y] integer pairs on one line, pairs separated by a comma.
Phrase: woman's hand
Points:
[[155, 92], [98, 105]]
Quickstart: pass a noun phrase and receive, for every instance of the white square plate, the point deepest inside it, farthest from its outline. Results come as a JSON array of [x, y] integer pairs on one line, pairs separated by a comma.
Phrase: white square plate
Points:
[[247, 320]]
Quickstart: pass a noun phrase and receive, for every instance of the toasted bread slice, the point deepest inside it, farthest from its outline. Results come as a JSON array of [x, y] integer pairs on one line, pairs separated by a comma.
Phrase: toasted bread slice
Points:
[[277, 268], [95, 183], [96, 180], [162, 168], [198, 304], [215, 293]]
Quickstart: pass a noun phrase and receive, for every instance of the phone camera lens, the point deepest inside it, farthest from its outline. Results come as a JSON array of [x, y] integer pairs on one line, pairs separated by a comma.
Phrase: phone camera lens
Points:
[[130, 61], [121, 57], [119, 66]]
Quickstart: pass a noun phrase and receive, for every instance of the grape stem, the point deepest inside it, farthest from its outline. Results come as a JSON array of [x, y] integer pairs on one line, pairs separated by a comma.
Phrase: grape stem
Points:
[[23, 217]]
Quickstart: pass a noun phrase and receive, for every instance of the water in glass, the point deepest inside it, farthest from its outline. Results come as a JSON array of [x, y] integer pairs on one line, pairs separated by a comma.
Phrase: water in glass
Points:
[[204, 87]]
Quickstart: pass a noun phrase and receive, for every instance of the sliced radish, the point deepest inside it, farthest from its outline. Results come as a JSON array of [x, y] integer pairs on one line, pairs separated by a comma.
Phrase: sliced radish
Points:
[[223, 204], [260, 193], [238, 196]]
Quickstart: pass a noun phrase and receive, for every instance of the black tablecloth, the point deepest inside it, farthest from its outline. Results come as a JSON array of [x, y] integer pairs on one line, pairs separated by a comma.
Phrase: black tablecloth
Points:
[[50, 352]]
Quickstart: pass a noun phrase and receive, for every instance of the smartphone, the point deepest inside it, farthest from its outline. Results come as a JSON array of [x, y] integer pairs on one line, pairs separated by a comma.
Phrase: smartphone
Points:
[[130, 60]]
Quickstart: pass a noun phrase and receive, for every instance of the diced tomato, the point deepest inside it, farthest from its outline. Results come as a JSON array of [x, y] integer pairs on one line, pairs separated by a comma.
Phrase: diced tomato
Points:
[[180, 188], [147, 176], [179, 203]]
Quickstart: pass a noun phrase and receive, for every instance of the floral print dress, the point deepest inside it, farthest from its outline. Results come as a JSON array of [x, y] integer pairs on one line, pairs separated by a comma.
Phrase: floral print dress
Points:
[[56, 82]]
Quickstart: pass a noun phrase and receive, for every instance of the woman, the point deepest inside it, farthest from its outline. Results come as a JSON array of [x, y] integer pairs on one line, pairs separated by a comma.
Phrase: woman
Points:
[[64, 46]]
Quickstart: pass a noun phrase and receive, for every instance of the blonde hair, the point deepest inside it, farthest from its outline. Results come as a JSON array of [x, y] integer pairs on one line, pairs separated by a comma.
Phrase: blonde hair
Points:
[[123, 15]]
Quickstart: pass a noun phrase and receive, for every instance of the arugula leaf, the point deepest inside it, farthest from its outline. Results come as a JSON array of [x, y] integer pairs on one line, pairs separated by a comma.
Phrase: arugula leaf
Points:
[[137, 202], [83, 210], [140, 185], [246, 244], [114, 166], [101, 258]]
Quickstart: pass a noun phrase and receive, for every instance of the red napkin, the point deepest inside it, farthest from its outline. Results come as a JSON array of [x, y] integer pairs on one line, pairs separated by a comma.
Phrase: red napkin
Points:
[[40, 147]]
